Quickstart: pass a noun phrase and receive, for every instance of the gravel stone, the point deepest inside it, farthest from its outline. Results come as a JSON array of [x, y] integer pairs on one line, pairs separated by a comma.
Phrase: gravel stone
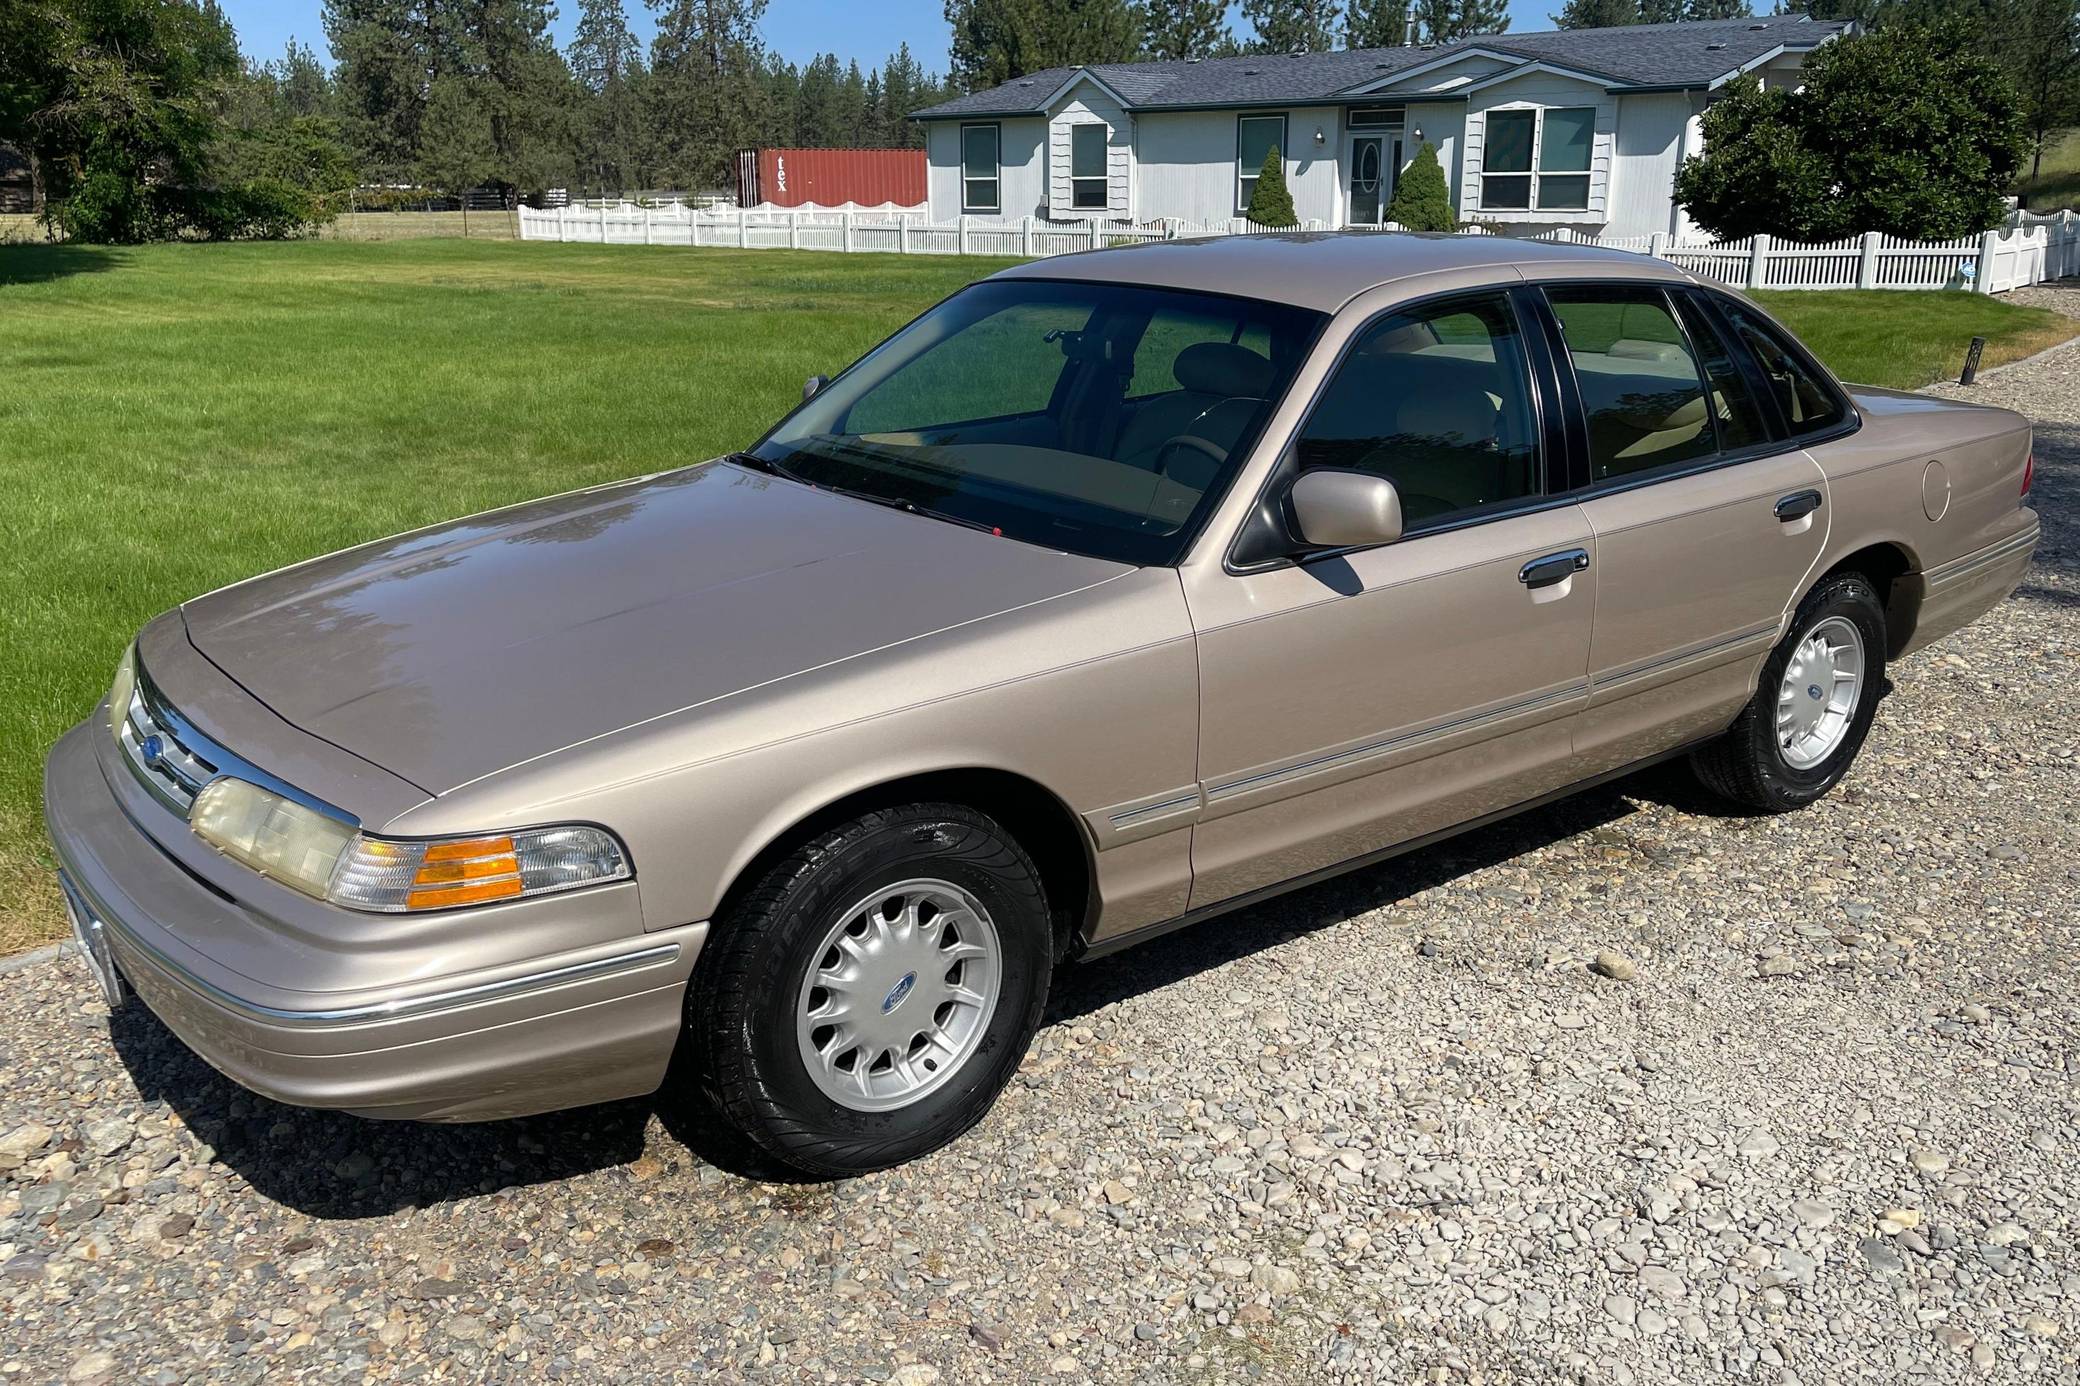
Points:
[[1386, 1129]]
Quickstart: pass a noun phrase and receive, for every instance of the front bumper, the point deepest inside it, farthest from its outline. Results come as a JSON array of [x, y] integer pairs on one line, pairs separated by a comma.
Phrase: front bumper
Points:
[[504, 1037]]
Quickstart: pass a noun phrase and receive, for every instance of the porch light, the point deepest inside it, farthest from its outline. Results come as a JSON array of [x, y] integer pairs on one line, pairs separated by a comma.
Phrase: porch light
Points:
[[1319, 137]]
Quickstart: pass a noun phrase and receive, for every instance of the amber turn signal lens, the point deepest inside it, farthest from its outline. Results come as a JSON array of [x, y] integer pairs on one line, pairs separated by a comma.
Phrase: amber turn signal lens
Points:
[[398, 875]]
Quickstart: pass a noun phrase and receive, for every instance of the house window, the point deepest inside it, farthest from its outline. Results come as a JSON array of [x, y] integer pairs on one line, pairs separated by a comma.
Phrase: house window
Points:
[[1375, 117], [1255, 137], [979, 149], [1087, 180], [1537, 158]]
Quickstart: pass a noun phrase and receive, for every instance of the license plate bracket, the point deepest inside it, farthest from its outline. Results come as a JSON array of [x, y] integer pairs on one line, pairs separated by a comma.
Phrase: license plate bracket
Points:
[[91, 942]]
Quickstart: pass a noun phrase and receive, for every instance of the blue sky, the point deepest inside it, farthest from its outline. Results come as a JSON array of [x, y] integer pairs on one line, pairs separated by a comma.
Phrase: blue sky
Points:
[[800, 29]]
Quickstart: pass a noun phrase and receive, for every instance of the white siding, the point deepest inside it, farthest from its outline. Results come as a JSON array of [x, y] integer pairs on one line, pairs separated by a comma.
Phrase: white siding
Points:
[[1533, 90], [1443, 124], [1643, 163], [1087, 104], [1022, 173], [1185, 164]]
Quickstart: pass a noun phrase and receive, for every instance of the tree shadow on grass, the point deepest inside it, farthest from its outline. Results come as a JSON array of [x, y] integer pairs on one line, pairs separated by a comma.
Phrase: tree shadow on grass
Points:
[[41, 264]]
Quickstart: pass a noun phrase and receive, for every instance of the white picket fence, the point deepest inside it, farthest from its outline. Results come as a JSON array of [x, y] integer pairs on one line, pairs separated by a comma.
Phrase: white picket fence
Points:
[[2026, 249]]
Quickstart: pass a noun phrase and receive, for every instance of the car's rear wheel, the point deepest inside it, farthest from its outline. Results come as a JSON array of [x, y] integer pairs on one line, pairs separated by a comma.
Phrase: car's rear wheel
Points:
[[870, 996], [1813, 704]]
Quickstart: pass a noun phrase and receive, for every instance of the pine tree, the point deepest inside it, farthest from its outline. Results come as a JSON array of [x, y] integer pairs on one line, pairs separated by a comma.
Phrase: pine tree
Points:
[[904, 88], [1442, 21], [1179, 29], [708, 92], [817, 105], [607, 61], [1422, 199], [379, 78], [996, 40], [456, 152], [1376, 24], [1293, 26], [1597, 14], [1271, 204], [852, 108], [1716, 9]]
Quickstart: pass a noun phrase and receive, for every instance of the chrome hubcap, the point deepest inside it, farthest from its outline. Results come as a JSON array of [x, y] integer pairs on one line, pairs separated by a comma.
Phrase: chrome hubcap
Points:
[[1822, 686], [898, 994]]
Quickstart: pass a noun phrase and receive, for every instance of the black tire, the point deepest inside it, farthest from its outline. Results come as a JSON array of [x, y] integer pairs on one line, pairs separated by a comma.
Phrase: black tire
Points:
[[741, 1007], [1746, 764]]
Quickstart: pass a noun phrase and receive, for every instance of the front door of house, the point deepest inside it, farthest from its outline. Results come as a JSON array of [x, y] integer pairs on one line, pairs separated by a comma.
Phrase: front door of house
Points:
[[1373, 161]]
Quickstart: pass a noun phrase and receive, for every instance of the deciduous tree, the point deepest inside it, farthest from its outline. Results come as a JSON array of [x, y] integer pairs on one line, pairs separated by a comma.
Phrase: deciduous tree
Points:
[[1899, 130]]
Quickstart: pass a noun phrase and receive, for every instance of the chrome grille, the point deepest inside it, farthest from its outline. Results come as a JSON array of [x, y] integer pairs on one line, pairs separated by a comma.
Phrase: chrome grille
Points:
[[166, 757]]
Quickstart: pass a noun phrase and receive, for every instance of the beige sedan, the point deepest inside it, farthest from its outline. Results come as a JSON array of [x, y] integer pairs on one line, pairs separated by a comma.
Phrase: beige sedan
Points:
[[1112, 593]]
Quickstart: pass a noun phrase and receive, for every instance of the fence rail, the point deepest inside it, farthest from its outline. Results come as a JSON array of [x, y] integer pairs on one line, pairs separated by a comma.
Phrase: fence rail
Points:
[[2026, 249]]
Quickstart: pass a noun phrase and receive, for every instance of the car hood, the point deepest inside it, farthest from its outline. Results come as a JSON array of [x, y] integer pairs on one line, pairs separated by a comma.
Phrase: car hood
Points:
[[451, 653]]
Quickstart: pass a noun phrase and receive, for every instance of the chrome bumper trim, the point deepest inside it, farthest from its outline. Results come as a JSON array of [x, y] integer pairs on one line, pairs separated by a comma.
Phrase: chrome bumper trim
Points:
[[400, 1009], [1994, 553]]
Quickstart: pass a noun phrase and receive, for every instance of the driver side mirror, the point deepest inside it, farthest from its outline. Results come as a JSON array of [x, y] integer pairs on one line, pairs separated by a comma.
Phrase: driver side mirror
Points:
[[813, 384], [1336, 509]]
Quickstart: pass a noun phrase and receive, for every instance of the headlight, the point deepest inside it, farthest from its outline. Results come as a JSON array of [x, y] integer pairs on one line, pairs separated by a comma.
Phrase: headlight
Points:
[[119, 692], [322, 856], [394, 875], [277, 837]]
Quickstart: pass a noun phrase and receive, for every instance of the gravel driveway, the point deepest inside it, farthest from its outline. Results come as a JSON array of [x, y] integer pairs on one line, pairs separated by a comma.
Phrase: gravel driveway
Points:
[[1821, 1128]]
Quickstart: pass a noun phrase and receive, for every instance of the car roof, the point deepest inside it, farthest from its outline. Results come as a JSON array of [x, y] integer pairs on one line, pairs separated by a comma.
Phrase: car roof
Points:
[[1324, 270]]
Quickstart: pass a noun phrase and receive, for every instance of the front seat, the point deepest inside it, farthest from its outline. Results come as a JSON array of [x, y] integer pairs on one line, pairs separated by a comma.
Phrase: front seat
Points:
[[1225, 385]]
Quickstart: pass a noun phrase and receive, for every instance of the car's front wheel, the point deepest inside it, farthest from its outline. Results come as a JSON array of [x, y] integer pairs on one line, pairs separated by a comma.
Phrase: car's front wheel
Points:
[[1812, 707], [870, 996]]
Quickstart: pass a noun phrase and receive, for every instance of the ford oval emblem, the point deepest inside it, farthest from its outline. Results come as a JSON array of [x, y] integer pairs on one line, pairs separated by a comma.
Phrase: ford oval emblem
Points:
[[152, 748], [897, 992]]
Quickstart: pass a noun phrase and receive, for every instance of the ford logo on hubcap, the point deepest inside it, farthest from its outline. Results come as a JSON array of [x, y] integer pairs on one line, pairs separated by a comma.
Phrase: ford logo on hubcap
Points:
[[1812, 690], [897, 992]]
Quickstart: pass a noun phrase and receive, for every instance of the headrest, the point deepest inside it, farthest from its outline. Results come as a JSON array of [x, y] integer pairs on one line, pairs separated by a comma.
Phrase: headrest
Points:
[[1461, 416], [1222, 368]]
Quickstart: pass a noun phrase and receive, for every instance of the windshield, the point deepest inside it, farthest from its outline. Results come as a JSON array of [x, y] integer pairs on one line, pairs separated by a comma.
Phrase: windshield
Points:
[[1101, 419]]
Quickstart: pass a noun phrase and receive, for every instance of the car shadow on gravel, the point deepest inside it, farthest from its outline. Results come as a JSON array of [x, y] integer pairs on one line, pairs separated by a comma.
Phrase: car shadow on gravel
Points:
[[1225, 938], [335, 1165]]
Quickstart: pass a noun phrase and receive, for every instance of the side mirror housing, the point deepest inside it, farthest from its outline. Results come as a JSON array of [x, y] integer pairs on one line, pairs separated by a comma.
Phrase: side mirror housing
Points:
[[1336, 509], [813, 384]]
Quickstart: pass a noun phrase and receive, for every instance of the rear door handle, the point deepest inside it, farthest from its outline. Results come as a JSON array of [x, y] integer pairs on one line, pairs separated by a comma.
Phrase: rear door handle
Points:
[[1554, 567], [1797, 505]]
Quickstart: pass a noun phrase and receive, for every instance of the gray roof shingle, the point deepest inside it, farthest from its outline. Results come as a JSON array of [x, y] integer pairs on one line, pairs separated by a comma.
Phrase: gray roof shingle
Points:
[[1649, 55]]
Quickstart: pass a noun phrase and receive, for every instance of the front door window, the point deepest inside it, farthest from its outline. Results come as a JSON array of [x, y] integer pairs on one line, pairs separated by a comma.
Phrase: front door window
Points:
[[1368, 188]]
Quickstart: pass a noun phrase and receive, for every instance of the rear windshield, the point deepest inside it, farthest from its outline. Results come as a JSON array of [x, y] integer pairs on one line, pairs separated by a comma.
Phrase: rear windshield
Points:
[[1101, 419]]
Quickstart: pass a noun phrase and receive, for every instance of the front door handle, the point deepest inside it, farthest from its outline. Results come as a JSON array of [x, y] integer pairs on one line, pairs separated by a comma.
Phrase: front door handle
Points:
[[1797, 505], [1554, 567]]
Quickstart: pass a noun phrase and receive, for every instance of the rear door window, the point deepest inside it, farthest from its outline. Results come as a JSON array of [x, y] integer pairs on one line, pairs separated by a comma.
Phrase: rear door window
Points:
[[1643, 396], [1803, 396]]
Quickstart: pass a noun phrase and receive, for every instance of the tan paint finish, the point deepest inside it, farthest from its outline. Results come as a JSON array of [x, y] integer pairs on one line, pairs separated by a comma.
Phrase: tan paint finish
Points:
[[1697, 574], [703, 660]]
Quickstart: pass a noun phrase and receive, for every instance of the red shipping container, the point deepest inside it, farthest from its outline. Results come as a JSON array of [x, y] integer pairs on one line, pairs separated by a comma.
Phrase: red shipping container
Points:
[[833, 177]]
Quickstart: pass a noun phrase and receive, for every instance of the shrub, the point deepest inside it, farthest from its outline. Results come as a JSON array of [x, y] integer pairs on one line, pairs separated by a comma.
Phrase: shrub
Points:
[[1903, 130], [1271, 204], [1422, 199]]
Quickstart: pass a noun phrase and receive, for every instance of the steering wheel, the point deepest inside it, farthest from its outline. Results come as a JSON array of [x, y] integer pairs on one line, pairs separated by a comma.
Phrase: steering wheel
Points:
[[1191, 442]]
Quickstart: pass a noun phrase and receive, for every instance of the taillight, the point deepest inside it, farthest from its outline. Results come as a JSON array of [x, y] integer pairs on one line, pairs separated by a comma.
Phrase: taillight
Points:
[[2029, 473]]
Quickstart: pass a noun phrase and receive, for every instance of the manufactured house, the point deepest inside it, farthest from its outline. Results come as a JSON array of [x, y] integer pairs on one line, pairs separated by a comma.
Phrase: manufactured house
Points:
[[1577, 129]]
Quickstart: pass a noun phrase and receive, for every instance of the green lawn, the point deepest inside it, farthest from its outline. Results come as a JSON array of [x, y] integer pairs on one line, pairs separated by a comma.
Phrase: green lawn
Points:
[[178, 417], [1907, 340], [2056, 182]]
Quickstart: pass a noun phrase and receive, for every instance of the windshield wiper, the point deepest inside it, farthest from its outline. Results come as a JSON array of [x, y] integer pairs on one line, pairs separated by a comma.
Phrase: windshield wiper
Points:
[[763, 464]]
